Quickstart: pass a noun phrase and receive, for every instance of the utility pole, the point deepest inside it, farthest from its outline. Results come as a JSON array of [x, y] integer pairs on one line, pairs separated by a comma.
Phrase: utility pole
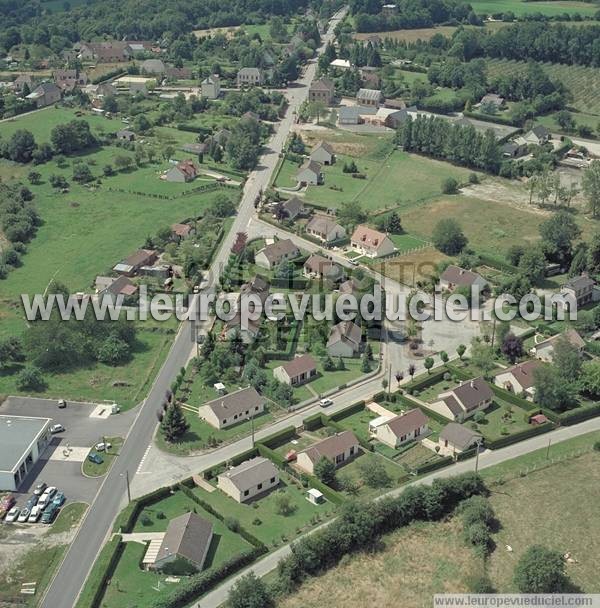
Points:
[[389, 381], [493, 331], [127, 484], [548, 449], [477, 455]]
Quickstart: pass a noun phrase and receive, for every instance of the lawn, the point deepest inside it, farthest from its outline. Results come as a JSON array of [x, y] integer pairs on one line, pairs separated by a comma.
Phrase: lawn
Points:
[[490, 226], [91, 469], [358, 423], [519, 8], [352, 472], [427, 558], [68, 517], [409, 268], [125, 384], [274, 528], [407, 242], [501, 419]]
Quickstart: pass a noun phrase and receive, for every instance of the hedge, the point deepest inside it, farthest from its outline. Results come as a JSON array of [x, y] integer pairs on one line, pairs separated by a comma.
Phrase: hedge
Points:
[[235, 460], [192, 588], [466, 454], [426, 381], [313, 422], [347, 411], [280, 437], [578, 415], [496, 263], [520, 436], [429, 412], [267, 452], [126, 519], [104, 566], [435, 465], [505, 395]]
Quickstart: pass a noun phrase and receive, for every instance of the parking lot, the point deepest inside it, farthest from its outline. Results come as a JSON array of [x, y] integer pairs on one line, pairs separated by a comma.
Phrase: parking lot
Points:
[[60, 465]]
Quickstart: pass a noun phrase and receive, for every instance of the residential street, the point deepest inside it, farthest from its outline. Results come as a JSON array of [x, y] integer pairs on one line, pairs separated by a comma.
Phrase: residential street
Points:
[[64, 589], [488, 459]]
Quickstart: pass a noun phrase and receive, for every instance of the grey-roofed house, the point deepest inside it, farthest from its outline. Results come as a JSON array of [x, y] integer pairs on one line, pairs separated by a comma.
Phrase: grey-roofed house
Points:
[[132, 264], [455, 276], [322, 91], [185, 544], [538, 135], [210, 87], [455, 438], [196, 148], [325, 228], [401, 429], [352, 115], [249, 479], [291, 208], [580, 288], [344, 340], [232, 408], [310, 173], [250, 77], [338, 448], [544, 350], [492, 99], [121, 286], [461, 402], [45, 94], [272, 255], [23, 440], [22, 81], [297, 371], [369, 97], [320, 267], [323, 153], [125, 135]]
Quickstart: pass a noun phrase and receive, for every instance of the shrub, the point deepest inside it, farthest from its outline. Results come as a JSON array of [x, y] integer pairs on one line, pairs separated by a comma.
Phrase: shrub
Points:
[[473, 178], [146, 520], [449, 186], [232, 523], [597, 446], [31, 378]]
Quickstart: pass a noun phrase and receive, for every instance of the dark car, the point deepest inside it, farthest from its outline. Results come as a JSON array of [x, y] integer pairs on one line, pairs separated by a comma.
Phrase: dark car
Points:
[[33, 500], [49, 513], [95, 458], [40, 488]]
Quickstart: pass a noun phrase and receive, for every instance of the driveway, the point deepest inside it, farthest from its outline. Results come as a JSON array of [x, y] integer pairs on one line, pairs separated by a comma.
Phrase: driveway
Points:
[[82, 430]]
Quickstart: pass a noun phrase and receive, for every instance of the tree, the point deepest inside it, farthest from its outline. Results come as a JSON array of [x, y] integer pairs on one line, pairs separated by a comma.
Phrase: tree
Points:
[[558, 234], [30, 378], [325, 470], [589, 380], [565, 120], [250, 592], [540, 570], [591, 187], [365, 366], [444, 356], [122, 162], [512, 347], [449, 186], [428, 364], [221, 206], [11, 351], [114, 351], [394, 225], [374, 473], [173, 424], [448, 237], [82, 173], [283, 505], [551, 390], [566, 359], [460, 351], [482, 356], [20, 146], [34, 177], [532, 264], [411, 370], [351, 213]]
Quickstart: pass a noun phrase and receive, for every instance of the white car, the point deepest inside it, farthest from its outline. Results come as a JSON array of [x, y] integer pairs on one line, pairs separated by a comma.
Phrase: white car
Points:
[[12, 515], [23, 515], [103, 446], [325, 402], [46, 497], [57, 428], [35, 514]]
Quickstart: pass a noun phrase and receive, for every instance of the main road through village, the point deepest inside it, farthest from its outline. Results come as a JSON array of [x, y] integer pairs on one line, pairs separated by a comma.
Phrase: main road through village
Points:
[[66, 586]]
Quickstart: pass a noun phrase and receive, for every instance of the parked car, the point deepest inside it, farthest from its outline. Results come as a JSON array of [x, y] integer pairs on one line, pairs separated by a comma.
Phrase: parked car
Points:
[[31, 502], [62, 404], [35, 514], [57, 428], [12, 515], [325, 402], [7, 502], [49, 513], [95, 458], [23, 515], [59, 499], [103, 446], [40, 488], [46, 497]]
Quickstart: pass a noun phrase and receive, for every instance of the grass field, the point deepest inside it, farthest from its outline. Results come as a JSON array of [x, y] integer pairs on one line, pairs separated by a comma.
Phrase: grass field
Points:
[[91, 469], [262, 518], [582, 82], [412, 267], [519, 8], [428, 558]]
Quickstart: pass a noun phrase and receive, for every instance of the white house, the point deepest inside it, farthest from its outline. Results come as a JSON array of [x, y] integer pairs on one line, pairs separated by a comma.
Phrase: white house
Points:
[[250, 77], [297, 371], [371, 243], [455, 276], [544, 350], [210, 87], [272, 255], [227, 410], [310, 173], [249, 479], [325, 228], [323, 153], [401, 429], [344, 340], [519, 379], [338, 448], [464, 400]]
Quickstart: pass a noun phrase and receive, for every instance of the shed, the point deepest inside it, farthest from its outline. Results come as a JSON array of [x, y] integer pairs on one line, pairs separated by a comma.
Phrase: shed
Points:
[[313, 495]]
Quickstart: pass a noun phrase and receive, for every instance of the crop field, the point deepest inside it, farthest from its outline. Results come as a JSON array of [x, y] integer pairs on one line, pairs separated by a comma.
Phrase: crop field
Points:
[[581, 81], [550, 7]]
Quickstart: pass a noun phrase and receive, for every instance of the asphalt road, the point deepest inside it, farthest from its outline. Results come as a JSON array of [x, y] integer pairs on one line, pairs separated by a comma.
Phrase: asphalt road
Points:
[[64, 589], [488, 459]]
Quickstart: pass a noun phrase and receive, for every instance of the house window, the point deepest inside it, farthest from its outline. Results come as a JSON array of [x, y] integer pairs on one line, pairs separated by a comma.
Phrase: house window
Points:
[[235, 416], [403, 438], [272, 479], [246, 492], [224, 420], [259, 486], [256, 408], [340, 458], [351, 450]]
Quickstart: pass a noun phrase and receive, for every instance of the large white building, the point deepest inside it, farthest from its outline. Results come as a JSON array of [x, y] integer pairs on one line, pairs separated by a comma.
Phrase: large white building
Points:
[[23, 440]]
